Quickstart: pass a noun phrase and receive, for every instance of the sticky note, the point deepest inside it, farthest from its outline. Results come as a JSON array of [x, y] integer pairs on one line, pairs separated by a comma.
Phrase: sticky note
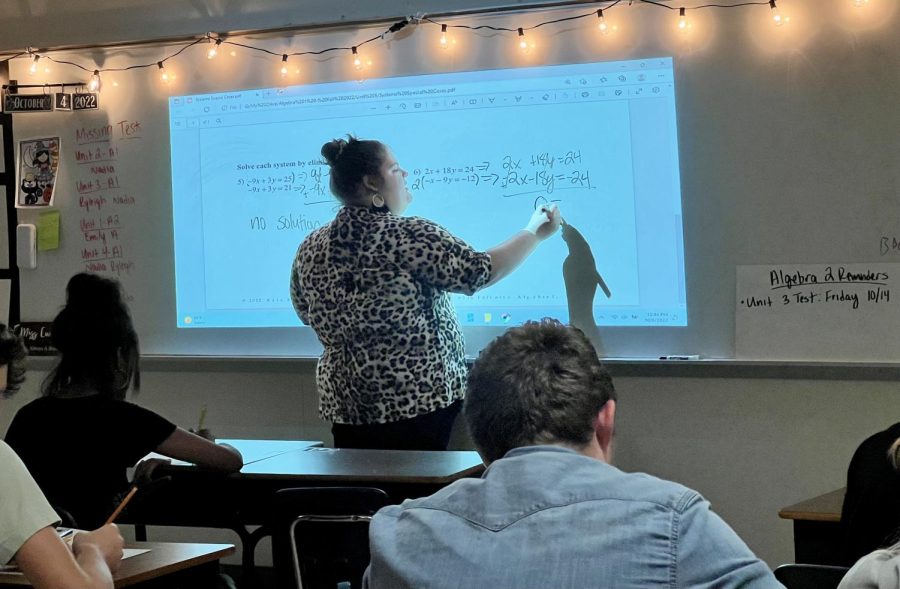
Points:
[[48, 231]]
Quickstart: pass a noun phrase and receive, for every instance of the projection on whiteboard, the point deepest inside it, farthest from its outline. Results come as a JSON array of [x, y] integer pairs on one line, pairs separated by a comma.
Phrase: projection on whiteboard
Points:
[[481, 148]]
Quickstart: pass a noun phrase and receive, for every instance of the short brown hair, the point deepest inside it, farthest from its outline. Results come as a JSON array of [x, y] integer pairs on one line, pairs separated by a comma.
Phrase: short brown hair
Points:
[[535, 384]]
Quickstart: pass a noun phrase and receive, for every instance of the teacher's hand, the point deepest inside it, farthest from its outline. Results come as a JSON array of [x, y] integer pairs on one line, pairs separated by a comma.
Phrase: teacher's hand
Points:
[[544, 221]]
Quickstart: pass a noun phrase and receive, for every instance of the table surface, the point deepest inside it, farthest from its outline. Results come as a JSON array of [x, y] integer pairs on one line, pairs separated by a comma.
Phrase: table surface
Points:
[[345, 464], [164, 558], [824, 508], [308, 460], [253, 450]]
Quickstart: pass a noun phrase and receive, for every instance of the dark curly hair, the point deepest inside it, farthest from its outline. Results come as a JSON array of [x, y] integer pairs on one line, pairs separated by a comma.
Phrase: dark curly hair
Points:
[[12, 355], [96, 339], [350, 160], [541, 383]]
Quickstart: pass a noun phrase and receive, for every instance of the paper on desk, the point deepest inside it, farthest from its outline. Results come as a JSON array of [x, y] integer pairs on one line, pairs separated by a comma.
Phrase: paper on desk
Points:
[[129, 552]]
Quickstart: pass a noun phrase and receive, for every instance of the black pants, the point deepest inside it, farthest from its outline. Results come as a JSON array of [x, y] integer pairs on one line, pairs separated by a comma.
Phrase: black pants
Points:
[[424, 432]]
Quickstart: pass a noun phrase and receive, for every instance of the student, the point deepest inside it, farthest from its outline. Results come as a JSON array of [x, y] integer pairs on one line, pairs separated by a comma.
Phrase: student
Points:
[[81, 436], [550, 510], [27, 535], [870, 516], [878, 570]]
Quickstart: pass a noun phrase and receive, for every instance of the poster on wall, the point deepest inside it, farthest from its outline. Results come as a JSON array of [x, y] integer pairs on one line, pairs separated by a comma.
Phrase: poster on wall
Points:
[[38, 168]]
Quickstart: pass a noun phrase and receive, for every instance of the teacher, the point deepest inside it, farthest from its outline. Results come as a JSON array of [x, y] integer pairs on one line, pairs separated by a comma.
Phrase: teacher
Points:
[[374, 286]]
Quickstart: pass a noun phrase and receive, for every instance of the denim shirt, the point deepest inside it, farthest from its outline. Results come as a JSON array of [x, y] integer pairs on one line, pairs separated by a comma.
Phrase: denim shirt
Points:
[[546, 516]]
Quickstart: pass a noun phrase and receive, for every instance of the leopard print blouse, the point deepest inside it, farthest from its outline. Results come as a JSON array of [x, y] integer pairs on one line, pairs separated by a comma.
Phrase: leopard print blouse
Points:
[[374, 287]]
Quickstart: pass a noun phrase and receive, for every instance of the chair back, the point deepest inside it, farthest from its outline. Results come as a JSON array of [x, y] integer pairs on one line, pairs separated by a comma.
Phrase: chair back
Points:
[[810, 576], [320, 535]]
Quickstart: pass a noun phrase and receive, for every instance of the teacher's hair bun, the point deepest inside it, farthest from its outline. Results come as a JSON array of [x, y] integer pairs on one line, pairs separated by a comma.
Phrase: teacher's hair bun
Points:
[[332, 150]]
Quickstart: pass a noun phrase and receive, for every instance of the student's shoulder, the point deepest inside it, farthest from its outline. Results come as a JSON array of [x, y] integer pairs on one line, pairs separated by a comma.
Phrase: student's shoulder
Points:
[[668, 494], [35, 407], [7, 454], [127, 407]]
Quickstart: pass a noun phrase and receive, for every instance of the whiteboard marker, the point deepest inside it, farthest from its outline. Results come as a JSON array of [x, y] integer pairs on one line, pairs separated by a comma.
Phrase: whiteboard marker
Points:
[[681, 357]]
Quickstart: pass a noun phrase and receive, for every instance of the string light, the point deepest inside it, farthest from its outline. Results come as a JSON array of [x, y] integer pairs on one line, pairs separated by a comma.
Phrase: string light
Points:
[[524, 45], [682, 20], [776, 16], [604, 28], [445, 41], [214, 50], [164, 75], [358, 63], [95, 83]]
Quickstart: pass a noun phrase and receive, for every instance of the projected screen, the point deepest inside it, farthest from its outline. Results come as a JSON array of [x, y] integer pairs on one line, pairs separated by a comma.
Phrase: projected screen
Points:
[[482, 150]]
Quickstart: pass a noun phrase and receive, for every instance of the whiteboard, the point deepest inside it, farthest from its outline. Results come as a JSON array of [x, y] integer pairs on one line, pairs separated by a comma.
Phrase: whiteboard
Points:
[[788, 150], [820, 312]]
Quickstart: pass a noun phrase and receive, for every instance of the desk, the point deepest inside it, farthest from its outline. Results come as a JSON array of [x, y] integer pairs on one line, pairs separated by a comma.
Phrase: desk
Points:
[[817, 530], [200, 498], [166, 565]]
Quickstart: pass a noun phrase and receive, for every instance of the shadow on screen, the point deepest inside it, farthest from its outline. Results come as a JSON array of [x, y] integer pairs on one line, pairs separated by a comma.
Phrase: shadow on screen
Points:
[[582, 279]]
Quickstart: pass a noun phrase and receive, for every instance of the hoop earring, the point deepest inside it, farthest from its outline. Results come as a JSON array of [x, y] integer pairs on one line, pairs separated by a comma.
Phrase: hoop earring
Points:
[[377, 201]]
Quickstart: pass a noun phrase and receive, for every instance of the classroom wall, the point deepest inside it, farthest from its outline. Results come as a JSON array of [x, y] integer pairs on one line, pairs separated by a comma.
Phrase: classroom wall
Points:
[[750, 445]]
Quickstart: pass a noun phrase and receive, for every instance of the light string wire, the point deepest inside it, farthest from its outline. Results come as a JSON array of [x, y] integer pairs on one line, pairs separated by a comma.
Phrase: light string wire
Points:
[[222, 39]]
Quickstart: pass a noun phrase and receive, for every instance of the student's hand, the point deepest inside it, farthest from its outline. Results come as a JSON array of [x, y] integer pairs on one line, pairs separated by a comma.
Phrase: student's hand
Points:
[[204, 433], [544, 221], [107, 540], [143, 472]]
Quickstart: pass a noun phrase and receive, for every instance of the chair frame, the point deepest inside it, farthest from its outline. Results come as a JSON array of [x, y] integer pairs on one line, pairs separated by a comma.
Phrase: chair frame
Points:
[[295, 557]]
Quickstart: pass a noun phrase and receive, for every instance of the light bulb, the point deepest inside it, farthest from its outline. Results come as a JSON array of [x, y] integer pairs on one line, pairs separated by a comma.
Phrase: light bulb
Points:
[[604, 28], [443, 40], [95, 83], [284, 67], [524, 45], [776, 16], [214, 50], [34, 64], [357, 61], [682, 20], [164, 75]]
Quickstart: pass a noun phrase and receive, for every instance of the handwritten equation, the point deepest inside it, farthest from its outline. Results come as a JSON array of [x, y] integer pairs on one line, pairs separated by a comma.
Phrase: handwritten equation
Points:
[[297, 178], [544, 171]]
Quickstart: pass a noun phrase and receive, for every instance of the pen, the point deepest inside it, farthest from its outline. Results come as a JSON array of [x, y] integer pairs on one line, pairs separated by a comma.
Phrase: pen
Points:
[[681, 357], [122, 505]]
